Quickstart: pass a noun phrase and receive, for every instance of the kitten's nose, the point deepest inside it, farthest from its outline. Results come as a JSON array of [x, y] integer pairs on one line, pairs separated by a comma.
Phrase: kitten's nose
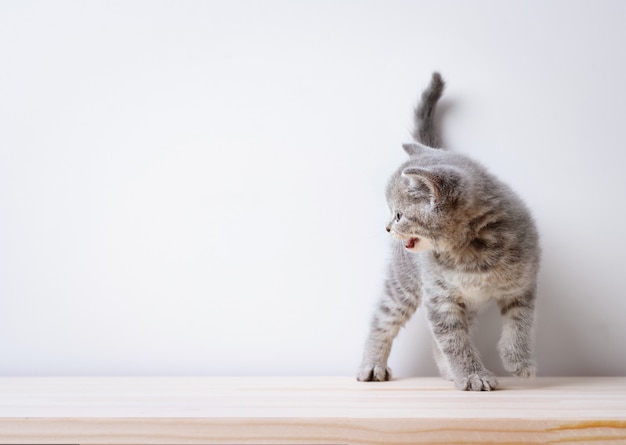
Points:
[[388, 228]]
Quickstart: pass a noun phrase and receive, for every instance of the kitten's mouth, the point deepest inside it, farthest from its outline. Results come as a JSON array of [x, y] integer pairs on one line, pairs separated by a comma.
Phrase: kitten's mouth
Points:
[[411, 243]]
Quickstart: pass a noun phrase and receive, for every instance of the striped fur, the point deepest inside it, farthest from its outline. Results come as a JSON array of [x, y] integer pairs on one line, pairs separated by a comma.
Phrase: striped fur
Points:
[[462, 239]]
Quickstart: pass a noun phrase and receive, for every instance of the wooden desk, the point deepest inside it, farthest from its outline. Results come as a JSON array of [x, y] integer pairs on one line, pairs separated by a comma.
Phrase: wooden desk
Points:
[[308, 410]]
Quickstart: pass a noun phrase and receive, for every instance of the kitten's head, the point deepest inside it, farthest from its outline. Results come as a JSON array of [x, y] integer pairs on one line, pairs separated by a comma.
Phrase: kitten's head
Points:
[[428, 199]]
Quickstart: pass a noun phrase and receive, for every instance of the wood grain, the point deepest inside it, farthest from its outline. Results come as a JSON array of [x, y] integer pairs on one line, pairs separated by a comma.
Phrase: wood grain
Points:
[[308, 410]]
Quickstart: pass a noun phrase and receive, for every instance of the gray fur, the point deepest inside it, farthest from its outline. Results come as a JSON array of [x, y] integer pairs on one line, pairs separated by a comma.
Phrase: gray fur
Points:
[[462, 239], [424, 131]]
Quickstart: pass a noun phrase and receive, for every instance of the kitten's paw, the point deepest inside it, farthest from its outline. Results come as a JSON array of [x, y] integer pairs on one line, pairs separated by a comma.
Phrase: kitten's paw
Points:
[[524, 370], [518, 366], [481, 381], [373, 373], [517, 360]]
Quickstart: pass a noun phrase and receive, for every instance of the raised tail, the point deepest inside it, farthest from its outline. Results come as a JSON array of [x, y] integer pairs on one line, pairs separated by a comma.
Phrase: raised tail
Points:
[[425, 131]]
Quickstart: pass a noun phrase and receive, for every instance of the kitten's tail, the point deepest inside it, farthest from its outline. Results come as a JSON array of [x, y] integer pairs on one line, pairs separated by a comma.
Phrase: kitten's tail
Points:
[[425, 131]]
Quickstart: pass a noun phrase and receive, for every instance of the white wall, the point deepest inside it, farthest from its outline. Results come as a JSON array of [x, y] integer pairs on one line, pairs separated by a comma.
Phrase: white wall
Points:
[[196, 188]]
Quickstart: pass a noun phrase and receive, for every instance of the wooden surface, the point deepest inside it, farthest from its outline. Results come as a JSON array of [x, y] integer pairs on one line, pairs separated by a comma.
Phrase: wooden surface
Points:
[[308, 410]]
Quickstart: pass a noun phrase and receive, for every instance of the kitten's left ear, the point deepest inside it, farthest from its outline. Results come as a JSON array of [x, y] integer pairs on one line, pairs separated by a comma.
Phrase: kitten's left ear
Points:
[[435, 181]]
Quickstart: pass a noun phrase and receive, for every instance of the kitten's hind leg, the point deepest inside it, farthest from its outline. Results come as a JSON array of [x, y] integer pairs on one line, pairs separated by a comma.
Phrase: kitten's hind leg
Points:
[[393, 311], [450, 321], [442, 364], [515, 345]]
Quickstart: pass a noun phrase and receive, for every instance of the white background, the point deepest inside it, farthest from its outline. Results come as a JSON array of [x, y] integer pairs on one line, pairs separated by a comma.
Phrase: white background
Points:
[[196, 188]]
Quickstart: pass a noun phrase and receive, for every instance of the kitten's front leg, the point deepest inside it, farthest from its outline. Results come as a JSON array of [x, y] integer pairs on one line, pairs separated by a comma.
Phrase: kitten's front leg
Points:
[[515, 345], [393, 311], [450, 322]]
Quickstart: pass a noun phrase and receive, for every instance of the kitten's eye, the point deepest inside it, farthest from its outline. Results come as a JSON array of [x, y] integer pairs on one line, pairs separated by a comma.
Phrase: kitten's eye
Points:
[[398, 216]]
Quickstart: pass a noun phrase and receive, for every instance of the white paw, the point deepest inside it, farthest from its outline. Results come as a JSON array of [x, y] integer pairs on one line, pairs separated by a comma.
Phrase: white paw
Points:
[[373, 373], [481, 381]]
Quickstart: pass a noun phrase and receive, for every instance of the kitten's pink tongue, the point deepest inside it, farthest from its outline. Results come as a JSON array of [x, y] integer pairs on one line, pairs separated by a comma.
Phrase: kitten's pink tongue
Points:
[[411, 242]]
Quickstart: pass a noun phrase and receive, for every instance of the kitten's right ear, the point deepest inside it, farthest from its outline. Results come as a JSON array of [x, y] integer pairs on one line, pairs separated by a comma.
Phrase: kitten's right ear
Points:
[[414, 148]]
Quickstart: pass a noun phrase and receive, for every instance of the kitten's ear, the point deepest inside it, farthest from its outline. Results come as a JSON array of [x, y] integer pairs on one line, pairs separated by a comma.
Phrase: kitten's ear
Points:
[[415, 148], [431, 179]]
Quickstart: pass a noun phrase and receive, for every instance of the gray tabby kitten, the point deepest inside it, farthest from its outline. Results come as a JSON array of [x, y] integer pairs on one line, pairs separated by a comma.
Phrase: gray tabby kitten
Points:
[[462, 240]]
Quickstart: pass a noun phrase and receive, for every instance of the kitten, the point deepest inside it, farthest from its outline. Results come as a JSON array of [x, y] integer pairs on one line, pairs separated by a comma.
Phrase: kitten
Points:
[[462, 240]]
